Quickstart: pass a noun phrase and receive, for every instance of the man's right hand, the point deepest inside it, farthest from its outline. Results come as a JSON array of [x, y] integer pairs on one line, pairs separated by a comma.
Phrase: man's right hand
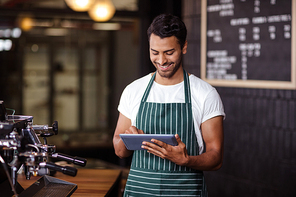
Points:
[[133, 130], [124, 125]]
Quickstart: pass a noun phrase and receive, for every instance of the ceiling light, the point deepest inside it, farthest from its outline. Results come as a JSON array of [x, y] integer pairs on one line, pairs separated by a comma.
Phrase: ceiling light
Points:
[[102, 10], [5, 45], [26, 23], [79, 5], [16, 32]]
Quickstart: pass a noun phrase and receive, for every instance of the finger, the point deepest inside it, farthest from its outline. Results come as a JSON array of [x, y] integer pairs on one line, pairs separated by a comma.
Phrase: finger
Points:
[[178, 139], [140, 131], [128, 132], [151, 146], [159, 143], [133, 129], [156, 153], [153, 149]]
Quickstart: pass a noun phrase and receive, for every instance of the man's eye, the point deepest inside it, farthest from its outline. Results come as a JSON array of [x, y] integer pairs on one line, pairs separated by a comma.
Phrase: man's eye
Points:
[[170, 53], [155, 53]]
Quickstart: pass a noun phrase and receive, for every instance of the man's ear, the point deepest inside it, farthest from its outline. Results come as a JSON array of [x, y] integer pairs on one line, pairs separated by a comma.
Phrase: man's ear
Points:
[[184, 50]]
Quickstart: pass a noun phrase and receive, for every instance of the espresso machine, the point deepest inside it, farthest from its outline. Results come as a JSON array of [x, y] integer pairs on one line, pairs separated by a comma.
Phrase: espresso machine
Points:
[[21, 151]]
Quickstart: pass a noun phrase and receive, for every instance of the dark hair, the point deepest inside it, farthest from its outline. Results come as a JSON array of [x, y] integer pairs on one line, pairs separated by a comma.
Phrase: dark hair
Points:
[[167, 25]]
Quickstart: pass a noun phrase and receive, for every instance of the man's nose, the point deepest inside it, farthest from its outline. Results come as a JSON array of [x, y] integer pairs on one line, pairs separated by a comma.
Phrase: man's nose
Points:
[[162, 59]]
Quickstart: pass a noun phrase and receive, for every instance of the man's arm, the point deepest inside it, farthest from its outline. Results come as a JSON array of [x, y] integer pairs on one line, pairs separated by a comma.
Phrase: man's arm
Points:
[[124, 125], [212, 159], [212, 131]]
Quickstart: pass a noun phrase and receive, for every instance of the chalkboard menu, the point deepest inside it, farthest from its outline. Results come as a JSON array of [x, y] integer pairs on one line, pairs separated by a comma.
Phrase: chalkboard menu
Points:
[[248, 43]]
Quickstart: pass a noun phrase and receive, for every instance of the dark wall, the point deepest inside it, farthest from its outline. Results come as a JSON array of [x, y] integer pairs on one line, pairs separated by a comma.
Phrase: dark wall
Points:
[[11, 77], [260, 132]]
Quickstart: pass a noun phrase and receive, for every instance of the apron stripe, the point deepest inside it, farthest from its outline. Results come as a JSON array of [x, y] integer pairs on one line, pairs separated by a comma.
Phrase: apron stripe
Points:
[[166, 173], [167, 184], [170, 189], [172, 179], [149, 194]]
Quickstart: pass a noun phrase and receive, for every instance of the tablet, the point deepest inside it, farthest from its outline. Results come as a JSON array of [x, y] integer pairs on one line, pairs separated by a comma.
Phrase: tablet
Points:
[[134, 141]]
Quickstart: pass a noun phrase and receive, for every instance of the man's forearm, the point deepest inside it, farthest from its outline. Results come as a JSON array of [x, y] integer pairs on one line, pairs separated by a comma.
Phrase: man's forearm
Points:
[[120, 149], [208, 161]]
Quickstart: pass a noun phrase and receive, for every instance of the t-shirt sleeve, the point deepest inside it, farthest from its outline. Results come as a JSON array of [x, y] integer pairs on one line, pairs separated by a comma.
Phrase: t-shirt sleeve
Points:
[[131, 97], [213, 106], [123, 106]]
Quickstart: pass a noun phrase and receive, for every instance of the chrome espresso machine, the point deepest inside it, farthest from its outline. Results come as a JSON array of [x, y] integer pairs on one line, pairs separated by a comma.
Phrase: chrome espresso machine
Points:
[[21, 151]]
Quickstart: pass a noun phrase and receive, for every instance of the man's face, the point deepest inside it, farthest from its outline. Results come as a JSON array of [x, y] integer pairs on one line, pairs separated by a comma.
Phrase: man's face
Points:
[[166, 55]]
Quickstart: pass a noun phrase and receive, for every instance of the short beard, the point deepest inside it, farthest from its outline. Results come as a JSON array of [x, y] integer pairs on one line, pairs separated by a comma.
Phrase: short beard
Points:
[[172, 73]]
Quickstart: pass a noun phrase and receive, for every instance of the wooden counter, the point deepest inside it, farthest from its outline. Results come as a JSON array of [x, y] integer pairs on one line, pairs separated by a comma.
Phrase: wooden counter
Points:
[[90, 182]]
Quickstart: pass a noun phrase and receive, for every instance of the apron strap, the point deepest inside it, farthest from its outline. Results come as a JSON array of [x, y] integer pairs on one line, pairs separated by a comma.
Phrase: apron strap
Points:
[[186, 88], [145, 96]]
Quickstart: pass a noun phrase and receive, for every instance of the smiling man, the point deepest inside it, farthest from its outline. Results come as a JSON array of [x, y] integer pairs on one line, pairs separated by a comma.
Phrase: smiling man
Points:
[[170, 101]]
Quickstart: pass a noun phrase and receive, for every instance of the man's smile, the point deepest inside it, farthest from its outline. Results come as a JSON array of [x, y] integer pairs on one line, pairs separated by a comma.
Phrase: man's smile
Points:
[[165, 66]]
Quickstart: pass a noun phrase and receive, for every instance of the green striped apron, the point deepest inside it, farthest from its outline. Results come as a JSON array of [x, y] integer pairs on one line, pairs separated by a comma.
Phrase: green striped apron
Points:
[[153, 176]]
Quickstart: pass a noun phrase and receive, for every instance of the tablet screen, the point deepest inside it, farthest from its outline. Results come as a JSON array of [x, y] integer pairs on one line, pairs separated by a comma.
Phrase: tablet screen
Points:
[[134, 141]]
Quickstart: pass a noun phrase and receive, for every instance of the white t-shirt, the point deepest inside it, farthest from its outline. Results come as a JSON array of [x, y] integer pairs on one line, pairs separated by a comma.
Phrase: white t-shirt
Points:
[[206, 102]]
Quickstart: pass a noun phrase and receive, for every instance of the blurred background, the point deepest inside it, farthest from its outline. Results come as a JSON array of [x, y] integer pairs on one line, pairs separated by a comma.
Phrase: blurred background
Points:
[[58, 63], [61, 64]]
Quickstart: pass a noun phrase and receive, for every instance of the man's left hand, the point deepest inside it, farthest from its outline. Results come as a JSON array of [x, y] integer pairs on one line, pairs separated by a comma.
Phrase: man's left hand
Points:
[[177, 154]]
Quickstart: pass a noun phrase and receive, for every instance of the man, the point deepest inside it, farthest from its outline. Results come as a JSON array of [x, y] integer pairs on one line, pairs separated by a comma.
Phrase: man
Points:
[[170, 101]]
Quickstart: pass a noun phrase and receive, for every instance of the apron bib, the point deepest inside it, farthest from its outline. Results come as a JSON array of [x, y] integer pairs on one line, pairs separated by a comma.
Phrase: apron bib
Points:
[[153, 176]]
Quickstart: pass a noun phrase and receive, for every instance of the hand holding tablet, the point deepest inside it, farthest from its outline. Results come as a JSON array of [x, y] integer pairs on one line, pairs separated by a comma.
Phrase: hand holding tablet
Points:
[[134, 141]]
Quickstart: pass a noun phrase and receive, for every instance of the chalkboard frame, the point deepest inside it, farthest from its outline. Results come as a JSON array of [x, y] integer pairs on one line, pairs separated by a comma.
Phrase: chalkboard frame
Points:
[[268, 84]]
